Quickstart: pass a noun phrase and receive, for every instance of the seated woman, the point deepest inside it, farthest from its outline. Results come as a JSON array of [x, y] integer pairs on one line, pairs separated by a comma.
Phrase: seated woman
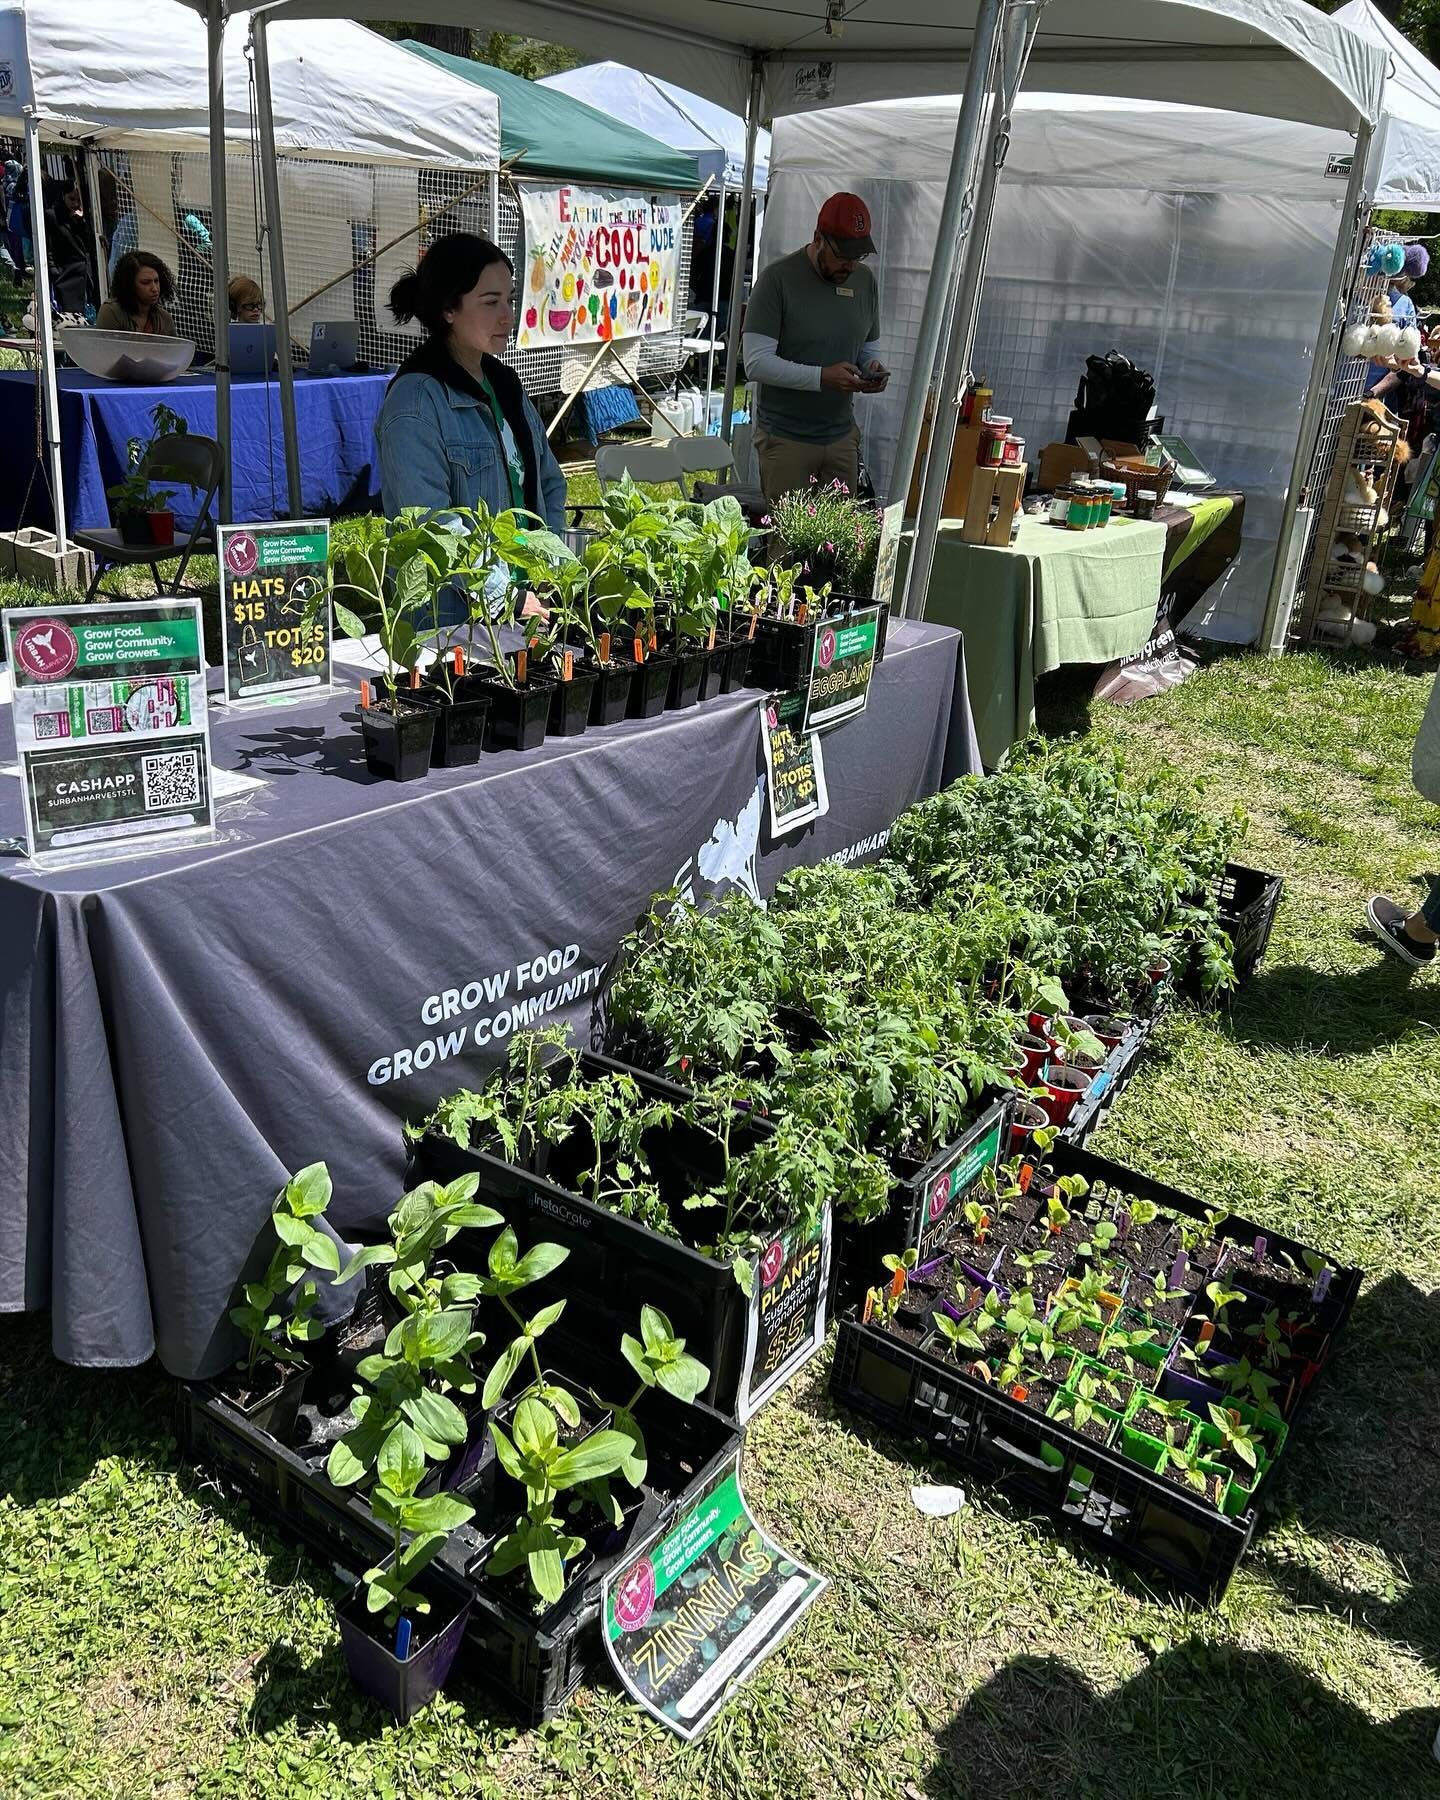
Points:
[[140, 292], [456, 426], [247, 301]]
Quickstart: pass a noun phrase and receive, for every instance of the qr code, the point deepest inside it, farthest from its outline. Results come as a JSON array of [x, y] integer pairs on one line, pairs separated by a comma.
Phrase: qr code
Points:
[[52, 725], [171, 780]]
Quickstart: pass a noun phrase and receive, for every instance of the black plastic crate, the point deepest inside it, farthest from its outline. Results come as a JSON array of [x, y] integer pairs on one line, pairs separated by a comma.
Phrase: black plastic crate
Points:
[[1249, 900], [1116, 1503], [1111, 1080], [859, 1248], [535, 1662], [1131, 1513], [616, 1265]]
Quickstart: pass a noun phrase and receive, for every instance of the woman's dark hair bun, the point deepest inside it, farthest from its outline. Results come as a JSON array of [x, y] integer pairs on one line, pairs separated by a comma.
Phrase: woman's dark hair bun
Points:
[[451, 267], [404, 298]]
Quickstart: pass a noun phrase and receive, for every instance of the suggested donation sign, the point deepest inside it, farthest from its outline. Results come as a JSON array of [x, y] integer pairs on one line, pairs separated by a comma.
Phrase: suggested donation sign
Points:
[[702, 1606], [269, 575], [110, 723], [599, 265]]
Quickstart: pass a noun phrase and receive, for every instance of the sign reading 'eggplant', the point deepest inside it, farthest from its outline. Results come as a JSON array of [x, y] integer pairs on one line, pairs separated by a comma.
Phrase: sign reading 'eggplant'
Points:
[[842, 662]]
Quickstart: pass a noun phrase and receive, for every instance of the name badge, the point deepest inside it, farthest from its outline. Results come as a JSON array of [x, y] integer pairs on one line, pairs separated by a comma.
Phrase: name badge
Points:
[[845, 293]]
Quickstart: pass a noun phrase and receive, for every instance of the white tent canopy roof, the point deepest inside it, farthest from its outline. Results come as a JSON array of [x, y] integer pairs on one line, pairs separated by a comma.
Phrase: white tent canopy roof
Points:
[[714, 137], [1280, 58], [134, 72], [1405, 162], [1070, 140]]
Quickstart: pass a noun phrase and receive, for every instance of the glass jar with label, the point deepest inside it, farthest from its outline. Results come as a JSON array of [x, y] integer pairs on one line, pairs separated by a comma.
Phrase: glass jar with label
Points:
[[1081, 506], [1146, 500], [1060, 506]]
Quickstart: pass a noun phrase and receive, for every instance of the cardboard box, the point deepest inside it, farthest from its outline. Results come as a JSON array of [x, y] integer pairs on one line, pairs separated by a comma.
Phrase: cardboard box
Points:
[[995, 494], [1058, 462]]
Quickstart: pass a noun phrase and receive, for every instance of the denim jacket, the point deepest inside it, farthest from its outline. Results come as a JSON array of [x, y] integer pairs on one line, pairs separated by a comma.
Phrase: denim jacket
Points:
[[439, 448]]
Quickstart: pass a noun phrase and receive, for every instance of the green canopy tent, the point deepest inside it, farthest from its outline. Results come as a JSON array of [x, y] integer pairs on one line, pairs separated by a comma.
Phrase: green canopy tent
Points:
[[555, 135]]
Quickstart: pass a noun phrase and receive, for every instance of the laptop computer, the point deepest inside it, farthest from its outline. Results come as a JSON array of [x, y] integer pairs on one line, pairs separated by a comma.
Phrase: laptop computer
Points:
[[334, 345], [252, 349]]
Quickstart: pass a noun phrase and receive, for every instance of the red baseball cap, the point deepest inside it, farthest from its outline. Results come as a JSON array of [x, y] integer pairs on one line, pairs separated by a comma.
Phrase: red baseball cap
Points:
[[845, 221]]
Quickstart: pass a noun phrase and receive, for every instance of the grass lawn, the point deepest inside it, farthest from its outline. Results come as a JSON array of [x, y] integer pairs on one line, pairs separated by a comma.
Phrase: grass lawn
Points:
[[158, 1640]]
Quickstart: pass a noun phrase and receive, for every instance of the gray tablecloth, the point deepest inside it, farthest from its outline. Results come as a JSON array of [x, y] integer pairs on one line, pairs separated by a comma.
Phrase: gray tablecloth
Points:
[[180, 1030]]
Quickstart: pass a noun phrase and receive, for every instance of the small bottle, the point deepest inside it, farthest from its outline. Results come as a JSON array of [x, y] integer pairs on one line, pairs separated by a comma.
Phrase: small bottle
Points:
[[1060, 506], [983, 395]]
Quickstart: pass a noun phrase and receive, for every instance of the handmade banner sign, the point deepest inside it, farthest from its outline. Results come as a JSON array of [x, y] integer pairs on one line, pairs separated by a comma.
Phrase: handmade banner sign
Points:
[[785, 1324], [599, 265], [701, 1607], [942, 1190]]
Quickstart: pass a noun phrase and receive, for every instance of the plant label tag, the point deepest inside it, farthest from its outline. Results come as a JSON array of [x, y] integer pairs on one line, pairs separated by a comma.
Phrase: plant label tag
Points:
[[949, 1180], [701, 1606], [842, 660], [270, 576], [785, 1324]]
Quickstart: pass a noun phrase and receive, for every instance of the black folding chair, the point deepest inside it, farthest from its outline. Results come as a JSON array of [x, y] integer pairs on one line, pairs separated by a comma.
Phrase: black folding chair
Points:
[[182, 458]]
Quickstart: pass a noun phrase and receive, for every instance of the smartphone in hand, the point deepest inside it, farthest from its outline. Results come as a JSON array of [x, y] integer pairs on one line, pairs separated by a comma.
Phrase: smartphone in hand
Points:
[[877, 379]]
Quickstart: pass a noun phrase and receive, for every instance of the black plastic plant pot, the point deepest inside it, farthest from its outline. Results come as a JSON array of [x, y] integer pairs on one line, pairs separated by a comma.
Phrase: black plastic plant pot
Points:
[[398, 744], [649, 687], [134, 528], [570, 703], [737, 666], [686, 675], [402, 1688], [610, 697], [519, 716], [780, 657], [712, 680], [273, 1400], [459, 725]]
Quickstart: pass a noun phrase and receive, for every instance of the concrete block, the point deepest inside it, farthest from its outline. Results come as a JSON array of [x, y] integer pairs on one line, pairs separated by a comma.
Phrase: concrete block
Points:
[[41, 561]]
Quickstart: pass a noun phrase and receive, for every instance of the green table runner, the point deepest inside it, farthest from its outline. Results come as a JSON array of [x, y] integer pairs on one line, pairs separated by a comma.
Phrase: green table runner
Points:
[[1054, 597]]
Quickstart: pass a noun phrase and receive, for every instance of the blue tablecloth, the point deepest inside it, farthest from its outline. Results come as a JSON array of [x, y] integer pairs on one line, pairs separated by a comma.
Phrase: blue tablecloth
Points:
[[335, 420]]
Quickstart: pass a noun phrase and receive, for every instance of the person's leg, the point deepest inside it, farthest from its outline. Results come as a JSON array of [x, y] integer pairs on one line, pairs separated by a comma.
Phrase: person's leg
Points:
[[786, 463], [841, 461], [1410, 936]]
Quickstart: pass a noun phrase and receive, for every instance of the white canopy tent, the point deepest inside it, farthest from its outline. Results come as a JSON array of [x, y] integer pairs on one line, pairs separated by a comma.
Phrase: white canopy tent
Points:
[[713, 136], [1275, 58], [1197, 242], [134, 76], [1405, 160]]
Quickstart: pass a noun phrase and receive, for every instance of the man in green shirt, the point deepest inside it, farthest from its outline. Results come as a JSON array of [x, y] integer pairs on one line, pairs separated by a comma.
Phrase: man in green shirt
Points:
[[811, 340]]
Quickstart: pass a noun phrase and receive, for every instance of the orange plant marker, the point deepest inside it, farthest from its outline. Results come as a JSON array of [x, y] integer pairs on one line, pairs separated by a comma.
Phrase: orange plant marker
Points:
[[364, 693], [522, 664], [567, 667], [639, 649], [414, 678], [604, 646], [457, 661]]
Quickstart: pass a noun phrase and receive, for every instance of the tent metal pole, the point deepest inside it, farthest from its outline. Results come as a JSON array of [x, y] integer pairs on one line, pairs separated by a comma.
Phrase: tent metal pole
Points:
[[275, 246], [714, 301], [92, 200], [942, 272], [45, 323], [493, 191], [220, 249], [1022, 20], [1280, 601], [742, 245]]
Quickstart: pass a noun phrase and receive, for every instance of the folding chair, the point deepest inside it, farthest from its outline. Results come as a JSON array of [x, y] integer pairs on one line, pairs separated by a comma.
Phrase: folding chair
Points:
[[655, 464], [180, 457], [698, 454]]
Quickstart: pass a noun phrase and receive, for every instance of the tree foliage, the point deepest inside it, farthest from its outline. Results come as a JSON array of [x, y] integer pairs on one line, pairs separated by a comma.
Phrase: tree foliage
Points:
[[530, 57]]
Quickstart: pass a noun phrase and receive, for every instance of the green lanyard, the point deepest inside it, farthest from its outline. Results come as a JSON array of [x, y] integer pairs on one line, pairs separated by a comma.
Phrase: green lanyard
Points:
[[514, 465]]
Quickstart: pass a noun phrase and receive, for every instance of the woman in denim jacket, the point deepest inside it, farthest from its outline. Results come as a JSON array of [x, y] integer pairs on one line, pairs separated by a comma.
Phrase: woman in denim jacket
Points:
[[456, 426]]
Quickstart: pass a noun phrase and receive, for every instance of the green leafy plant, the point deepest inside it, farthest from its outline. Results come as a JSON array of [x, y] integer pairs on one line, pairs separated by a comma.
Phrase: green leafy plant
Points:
[[303, 1247], [134, 494], [1237, 1436]]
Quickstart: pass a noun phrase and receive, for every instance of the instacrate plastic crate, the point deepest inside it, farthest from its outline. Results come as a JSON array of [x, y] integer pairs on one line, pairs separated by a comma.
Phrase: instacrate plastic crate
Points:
[[1114, 1502], [617, 1265], [536, 1663], [1249, 900]]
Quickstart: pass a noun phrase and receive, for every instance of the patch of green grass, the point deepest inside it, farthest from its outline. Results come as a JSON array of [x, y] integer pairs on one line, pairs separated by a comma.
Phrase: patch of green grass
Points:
[[159, 1640]]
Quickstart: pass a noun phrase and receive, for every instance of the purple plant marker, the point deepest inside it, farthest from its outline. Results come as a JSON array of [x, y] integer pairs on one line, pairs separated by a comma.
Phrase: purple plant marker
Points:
[[1322, 1285], [1124, 1222], [1260, 1247], [1178, 1270]]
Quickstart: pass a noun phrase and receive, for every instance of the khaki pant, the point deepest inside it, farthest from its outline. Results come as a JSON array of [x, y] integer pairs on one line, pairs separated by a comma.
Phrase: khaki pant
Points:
[[789, 463]]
